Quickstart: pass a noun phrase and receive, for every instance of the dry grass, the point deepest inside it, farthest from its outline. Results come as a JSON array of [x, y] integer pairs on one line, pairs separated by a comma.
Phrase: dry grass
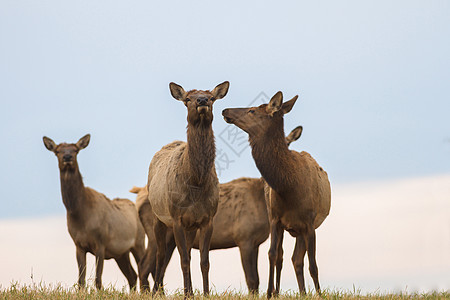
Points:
[[44, 291]]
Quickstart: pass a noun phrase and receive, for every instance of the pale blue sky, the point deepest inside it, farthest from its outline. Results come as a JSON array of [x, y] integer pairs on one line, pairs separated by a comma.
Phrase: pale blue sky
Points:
[[373, 79]]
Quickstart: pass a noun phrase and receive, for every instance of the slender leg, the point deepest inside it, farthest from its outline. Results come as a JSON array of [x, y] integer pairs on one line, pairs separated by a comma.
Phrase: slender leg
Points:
[[249, 259], [139, 253], [279, 263], [190, 237], [125, 266], [149, 260], [160, 230], [275, 231], [313, 270], [297, 261], [180, 240], [99, 259], [255, 268], [204, 243], [170, 247], [81, 260], [147, 265]]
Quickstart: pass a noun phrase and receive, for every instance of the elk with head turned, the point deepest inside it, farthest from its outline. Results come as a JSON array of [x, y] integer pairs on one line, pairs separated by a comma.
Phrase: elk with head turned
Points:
[[297, 190]]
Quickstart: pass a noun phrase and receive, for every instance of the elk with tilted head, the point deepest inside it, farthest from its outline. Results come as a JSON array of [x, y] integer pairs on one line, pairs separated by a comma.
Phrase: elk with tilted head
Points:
[[297, 190], [183, 186], [105, 228], [241, 221]]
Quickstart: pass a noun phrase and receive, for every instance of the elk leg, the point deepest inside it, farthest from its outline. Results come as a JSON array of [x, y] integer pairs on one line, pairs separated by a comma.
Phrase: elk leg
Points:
[[170, 247], [297, 261], [125, 266], [99, 259], [190, 237], [180, 240], [275, 231], [204, 244], [249, 259], [313, 270], [279, 263], [81, 261], [160, 230], [139, 253], [149, 261], [146, 266]]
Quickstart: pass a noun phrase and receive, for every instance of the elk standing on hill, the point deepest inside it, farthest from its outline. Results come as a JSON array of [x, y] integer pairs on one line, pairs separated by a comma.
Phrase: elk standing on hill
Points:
[[297, 190], [183, 189], [105, 228]]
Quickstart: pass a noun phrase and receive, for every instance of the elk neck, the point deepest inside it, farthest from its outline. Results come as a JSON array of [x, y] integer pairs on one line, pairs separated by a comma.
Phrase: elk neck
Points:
[[72, 190], [272, 157], [201, 152]]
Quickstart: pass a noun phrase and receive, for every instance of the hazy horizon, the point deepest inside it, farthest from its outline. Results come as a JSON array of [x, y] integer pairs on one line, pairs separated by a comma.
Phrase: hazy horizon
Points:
[[371, 242]]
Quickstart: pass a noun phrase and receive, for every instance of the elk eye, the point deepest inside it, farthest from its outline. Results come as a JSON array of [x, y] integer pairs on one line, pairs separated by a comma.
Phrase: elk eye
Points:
[[187, 100], [251, 111]]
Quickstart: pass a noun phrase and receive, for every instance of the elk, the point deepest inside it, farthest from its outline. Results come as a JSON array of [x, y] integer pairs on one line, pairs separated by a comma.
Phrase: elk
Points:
[[107, 229], [183, 189], [297, 190], [241, 221]]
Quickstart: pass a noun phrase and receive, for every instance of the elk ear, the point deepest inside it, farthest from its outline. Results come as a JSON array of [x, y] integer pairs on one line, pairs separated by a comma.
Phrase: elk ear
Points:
[[84, 141], [275, 103], [49, 144], [287, 106], [177, 91], [136, 190], [294, 135], [220, 90]]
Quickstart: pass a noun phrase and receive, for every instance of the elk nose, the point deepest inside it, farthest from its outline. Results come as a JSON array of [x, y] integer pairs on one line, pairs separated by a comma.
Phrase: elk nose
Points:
[[67, 157], [202, 101]]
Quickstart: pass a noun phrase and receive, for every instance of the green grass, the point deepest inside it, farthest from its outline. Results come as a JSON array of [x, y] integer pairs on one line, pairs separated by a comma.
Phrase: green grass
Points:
[[44, 291]]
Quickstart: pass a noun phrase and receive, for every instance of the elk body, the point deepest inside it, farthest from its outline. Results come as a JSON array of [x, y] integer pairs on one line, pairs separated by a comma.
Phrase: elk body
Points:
[[241, 221], [105, 228], [297, 189], [183, 189]]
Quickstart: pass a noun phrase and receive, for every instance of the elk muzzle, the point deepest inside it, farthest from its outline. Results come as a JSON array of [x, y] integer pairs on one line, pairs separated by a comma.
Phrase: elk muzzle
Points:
[[67, 158], [230, 115]]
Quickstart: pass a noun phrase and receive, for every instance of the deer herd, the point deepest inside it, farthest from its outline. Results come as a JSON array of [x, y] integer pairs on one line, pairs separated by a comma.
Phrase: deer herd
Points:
[[183, 205]]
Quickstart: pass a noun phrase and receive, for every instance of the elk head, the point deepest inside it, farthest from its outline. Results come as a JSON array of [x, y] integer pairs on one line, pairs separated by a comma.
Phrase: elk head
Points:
[[257, 121], [199, 103], [67, 153]]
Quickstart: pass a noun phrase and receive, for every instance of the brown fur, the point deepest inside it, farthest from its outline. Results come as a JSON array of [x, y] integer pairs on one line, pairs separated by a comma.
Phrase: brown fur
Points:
[[183, 186], [148, 220], [105, 228], [297, 190], [241, 221]]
